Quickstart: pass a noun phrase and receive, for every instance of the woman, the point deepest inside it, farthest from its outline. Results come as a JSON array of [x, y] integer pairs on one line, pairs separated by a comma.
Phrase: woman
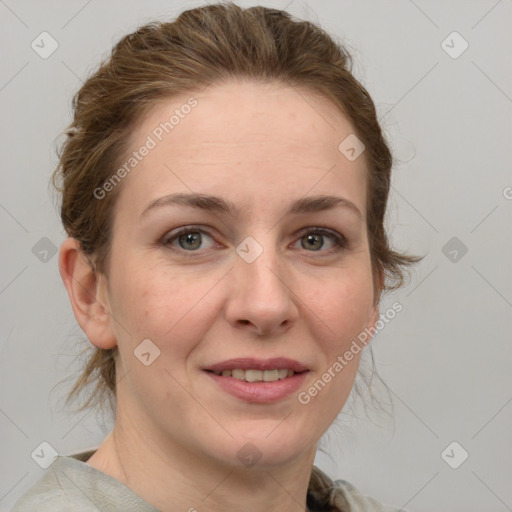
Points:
[[224, 186]]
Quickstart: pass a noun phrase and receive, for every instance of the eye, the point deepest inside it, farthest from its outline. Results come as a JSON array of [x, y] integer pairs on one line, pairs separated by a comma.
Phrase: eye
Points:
[[314, 240], [188, 238]]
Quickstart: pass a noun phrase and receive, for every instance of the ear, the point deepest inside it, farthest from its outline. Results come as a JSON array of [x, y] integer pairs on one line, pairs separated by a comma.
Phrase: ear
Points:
[[373, 317], [87, 294], [375, 312]]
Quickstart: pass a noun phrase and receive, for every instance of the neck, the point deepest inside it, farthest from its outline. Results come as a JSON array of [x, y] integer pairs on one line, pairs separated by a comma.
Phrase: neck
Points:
[[172, 478]]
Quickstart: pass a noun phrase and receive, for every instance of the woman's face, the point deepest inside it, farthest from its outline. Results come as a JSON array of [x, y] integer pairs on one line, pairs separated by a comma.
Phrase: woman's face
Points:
[[242, 265]]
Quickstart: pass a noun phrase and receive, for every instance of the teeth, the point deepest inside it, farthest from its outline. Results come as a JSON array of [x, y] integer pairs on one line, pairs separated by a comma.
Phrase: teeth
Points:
[[253, 375], [238, 374], [257, 375], [270, 375], [282, 373]]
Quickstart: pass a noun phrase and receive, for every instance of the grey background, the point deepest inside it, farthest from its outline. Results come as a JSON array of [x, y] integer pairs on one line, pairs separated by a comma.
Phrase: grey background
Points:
[[446, 357]]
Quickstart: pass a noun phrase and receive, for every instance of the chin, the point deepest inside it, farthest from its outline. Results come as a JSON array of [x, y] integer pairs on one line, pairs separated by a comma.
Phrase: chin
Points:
[[266, 448]]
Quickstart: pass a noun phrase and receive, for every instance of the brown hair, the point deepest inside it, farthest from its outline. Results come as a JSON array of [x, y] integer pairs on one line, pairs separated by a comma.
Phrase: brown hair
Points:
[[203, 46]]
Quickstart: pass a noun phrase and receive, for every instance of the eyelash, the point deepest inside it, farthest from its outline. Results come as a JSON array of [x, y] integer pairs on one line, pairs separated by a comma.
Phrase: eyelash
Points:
[[339, 241]]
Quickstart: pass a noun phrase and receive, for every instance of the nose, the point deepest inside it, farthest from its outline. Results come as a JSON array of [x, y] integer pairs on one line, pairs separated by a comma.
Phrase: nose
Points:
[[261, 297]]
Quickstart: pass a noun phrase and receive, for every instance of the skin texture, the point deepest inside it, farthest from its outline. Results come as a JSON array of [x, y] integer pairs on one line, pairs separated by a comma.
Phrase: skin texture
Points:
[[177, 433]]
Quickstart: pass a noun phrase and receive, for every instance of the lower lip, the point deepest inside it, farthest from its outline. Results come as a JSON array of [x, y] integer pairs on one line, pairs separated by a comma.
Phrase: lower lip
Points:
[[260, 392]]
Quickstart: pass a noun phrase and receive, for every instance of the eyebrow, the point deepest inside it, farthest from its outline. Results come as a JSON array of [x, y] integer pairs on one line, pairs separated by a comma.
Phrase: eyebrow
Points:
[[311, 204]]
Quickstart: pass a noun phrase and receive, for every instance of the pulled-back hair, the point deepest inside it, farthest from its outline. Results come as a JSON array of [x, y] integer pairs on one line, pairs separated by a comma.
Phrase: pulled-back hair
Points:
[[208, 45]]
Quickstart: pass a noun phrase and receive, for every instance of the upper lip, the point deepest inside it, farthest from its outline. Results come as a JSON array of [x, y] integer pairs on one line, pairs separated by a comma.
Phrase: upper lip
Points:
[[249, 363]]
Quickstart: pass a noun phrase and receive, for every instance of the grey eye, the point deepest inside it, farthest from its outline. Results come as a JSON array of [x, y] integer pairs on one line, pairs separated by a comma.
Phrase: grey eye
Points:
[[312, 241], [190, 240]]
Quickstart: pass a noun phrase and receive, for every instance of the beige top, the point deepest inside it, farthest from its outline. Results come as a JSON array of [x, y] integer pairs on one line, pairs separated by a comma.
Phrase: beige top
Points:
[[70, 484]]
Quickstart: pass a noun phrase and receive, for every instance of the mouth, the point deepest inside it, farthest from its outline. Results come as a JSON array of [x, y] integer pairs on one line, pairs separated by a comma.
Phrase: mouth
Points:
[[258, 380], [253, 375]]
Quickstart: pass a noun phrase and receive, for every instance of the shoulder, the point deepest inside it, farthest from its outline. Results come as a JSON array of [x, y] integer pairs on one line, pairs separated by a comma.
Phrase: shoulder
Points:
[[340, 496], [51, 493], [358, 502], [70, 484]]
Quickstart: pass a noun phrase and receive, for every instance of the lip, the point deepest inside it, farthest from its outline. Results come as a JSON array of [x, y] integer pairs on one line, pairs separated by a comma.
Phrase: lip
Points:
[[259, 392], [249, 363]]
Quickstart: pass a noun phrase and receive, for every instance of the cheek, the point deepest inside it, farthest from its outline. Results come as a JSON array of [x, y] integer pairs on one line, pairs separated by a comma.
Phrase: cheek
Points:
[[344, 305], [165, 309]]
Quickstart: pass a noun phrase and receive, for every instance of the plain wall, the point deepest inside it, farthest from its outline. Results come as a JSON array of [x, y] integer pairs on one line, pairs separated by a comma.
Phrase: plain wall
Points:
[[446, 356]]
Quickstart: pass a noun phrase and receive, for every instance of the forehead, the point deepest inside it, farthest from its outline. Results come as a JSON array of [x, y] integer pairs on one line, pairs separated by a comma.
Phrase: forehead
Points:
[[248, 113], [243, 136]]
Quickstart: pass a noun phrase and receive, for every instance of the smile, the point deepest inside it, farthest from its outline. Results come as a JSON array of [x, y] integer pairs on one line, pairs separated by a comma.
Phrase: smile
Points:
[[258, 380], [256, 375]]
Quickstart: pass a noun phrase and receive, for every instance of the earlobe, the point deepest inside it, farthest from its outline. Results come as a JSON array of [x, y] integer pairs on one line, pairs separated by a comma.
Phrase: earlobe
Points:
[[375, 312], [83, 286], [380, 277], [374, 317]]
